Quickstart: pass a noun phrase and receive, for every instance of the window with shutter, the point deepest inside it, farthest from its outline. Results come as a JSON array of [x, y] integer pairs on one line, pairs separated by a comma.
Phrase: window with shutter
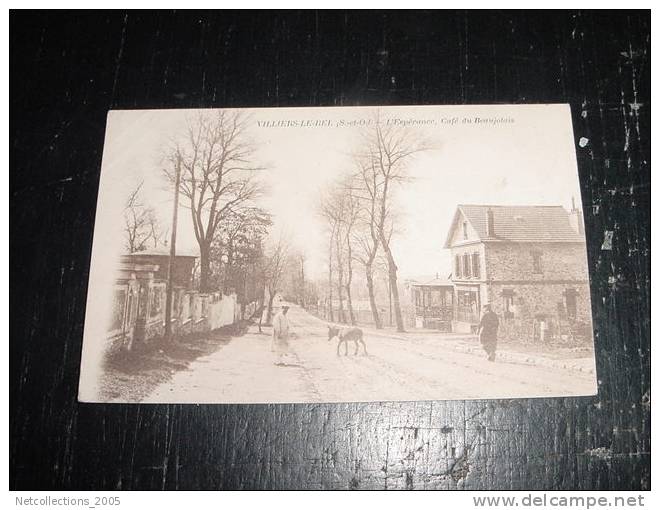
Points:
[[476, 265]]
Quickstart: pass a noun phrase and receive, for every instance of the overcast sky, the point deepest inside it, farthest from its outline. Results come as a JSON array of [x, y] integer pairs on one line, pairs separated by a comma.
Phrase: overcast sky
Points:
[[528, 159]]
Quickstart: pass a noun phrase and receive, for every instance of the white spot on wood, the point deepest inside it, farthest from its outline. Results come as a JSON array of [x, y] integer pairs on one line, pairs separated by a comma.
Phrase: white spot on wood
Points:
[[607, 240], [600, 453]]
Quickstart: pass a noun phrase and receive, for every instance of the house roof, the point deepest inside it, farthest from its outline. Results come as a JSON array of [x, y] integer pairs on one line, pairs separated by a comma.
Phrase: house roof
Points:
[[420, 278], [518, 223], [430, 280], [435, 282]]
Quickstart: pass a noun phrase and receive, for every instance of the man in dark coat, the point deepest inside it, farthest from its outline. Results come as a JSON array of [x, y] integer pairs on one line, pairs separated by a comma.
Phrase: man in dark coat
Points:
[[488, 332]]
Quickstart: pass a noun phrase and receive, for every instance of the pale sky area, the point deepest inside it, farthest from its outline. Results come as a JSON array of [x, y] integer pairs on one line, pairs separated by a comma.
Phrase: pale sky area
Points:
[[530, 161]]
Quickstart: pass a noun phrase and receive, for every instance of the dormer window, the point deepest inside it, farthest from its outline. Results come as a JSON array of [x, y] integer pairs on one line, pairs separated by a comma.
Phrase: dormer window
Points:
[[465, 230]]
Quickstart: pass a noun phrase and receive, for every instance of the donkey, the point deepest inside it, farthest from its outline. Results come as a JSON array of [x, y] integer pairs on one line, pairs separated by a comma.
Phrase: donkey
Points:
[[346, 335]]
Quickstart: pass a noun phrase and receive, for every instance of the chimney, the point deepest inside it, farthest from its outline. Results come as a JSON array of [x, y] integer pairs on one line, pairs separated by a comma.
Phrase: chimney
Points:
[[575, 218], [490, 224]]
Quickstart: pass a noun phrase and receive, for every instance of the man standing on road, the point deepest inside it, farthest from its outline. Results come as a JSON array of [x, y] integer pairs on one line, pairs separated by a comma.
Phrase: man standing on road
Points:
[[281, 335], [488, 332]]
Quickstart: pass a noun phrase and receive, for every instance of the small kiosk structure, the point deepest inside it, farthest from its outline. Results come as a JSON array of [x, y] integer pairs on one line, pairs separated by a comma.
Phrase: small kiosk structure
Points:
[[433, 301]]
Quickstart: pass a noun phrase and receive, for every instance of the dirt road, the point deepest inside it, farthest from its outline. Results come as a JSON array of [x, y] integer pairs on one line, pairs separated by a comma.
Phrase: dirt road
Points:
[[424, 368]]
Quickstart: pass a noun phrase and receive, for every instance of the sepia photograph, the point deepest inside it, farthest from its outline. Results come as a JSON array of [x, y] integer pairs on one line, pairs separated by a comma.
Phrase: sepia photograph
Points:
[[338, 254]]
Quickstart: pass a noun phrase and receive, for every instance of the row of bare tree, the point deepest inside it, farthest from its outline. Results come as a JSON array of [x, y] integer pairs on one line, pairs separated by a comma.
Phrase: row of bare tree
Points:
[[219, 185], [142, 229], [360, 214], [220, 188]]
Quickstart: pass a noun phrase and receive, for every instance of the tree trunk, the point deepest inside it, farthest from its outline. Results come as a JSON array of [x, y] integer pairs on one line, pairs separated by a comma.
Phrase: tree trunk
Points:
[[204, 269], [394, 289], [349, 304], [349, 280], [372, 298], [302, 278], [331, 312], [229, 276], [341, 312], [340, 291], [340, 279], [261, 314], [349, 299], [269, 313]]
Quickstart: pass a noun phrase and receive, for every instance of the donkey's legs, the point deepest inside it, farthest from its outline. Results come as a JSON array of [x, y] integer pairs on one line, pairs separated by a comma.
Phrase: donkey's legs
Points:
[[339, 345], [364, 345], [357, 347]]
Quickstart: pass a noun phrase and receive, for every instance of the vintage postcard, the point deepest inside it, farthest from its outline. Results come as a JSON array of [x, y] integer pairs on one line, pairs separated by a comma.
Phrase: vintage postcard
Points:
[[338, 254]]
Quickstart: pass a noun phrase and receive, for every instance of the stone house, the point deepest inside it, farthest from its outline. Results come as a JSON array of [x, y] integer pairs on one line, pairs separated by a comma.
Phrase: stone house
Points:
[[528, 262]]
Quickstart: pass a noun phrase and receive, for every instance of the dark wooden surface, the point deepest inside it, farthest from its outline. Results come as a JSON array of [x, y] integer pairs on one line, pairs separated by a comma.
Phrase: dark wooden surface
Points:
[[68, 70]]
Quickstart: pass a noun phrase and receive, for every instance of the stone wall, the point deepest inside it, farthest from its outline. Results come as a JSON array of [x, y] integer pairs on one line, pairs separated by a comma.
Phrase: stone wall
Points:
[[533, 303], [531, 300], [515, 261], [136, 322]]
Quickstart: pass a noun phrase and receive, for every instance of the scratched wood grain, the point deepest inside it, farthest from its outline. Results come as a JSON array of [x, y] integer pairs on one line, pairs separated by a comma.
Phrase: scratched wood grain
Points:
[[67, 70]]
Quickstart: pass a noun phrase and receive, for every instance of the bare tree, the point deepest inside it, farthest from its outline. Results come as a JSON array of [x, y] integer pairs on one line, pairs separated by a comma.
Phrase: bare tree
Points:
[[366, 231], [340, 258], [294, 275], [217, 175], [364, 189], [331, 250], [275, 262], [382, 165], [141, 227], [381, 269], [350, 215], [332, 210], [301, 262], [340, 208], [328, 214]]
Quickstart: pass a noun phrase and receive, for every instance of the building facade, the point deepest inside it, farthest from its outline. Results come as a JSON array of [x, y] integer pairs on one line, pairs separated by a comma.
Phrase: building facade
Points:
[[529, 263]]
